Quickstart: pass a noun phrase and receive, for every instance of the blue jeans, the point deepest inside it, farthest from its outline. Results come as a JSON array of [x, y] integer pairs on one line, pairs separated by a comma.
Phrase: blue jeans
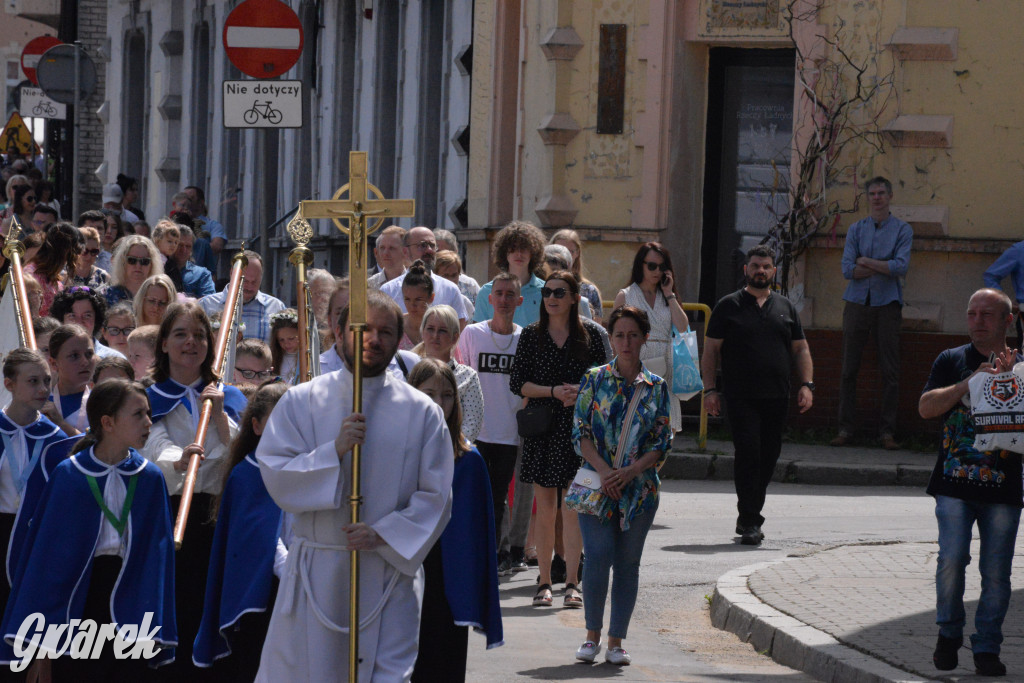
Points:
[[608, 547], [997, 527]]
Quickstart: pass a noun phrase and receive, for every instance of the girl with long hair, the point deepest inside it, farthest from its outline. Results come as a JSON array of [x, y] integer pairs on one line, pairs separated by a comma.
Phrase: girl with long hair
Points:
[[247, 557], [184, 379], [652, 289], [54, 264], [100, 546], [284, 344], [461, 587], [551, 358]]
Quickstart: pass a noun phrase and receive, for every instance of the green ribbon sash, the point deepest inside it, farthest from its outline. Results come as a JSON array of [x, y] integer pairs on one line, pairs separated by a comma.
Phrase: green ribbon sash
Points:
[[119, 523]]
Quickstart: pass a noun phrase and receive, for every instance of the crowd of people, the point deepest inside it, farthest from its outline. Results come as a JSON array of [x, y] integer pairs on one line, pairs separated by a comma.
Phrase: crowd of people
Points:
[[104, 414]]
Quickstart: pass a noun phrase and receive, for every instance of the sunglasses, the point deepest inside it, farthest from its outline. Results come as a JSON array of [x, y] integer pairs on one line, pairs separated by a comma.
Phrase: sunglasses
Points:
[[652, 266], [30, 198], [92, 252], [138, 261], [558, 293], [253, 374], [118, 331]]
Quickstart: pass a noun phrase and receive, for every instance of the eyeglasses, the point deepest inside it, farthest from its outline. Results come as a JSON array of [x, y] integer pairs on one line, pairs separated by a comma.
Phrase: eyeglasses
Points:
[[253, 374], [118, 331], [138, 261], [558, 293], [425, 244], [156, 302], [652, 266], [92, 252]]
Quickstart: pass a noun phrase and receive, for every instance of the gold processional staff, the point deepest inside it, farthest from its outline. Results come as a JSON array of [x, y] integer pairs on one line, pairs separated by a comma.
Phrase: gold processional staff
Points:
[[13, 250], [353, 210], [302, 258]]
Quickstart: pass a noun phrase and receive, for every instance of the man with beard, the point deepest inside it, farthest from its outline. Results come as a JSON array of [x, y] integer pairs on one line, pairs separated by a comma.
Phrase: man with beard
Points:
[[757, 336], [407, 466]]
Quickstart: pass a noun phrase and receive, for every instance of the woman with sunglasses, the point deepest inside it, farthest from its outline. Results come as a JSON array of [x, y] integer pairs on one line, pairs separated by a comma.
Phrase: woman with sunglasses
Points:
[[652, 289], [135, 259], [552, 356], [24, 204], [87, 273]]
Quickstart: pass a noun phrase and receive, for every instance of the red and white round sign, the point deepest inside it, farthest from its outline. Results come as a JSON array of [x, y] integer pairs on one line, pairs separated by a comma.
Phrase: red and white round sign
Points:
[[31, 54], [263, 38]]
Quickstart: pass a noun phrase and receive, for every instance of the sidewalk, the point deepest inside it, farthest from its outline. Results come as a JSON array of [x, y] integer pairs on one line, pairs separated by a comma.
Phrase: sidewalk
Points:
[[805, 464], [858, 613]]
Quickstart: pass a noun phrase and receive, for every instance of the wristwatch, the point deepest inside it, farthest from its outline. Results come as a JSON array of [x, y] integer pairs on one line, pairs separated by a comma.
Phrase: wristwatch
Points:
[[809, 385]]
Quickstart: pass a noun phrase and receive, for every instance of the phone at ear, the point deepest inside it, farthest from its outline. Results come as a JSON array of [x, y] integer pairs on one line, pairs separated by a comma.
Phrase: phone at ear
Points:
[[664, 280]]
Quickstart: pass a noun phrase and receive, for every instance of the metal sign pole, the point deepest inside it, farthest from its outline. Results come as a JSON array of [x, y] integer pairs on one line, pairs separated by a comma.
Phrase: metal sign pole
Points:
[[74, 143]]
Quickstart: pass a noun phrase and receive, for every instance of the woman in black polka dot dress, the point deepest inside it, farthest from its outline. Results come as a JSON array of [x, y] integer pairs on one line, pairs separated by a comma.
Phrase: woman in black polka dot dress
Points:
[[552, 356]]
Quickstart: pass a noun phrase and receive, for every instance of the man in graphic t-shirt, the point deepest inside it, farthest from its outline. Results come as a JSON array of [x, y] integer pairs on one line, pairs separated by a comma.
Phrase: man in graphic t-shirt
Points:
[[489, 347], [970, 486]]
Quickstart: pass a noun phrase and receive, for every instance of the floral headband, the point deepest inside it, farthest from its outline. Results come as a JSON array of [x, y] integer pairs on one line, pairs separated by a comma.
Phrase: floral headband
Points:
[[284, 316]]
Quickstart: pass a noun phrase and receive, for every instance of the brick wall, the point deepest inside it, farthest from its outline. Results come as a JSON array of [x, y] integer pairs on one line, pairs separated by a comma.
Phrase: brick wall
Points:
[[92, 32], [917, 352]]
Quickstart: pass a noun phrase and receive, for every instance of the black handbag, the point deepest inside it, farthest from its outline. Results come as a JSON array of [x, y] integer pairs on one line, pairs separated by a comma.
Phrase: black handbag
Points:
[[536, 420]]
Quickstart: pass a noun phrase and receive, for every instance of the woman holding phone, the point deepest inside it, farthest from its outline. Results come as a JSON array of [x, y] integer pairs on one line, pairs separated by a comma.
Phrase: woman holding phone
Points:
[[652, 289]]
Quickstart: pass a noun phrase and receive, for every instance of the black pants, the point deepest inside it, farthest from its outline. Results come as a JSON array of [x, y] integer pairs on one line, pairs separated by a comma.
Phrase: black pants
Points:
[[443, 645], [246, 640], [757, 425], [105, 569], [501, 465], [190, 566], [858, 323]]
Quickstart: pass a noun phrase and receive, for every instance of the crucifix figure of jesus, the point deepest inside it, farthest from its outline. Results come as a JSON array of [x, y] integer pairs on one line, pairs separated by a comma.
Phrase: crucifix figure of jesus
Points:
[[350, 215]]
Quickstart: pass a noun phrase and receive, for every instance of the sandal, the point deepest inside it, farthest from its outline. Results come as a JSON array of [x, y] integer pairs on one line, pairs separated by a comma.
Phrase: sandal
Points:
[[543, 598], [574, 599]]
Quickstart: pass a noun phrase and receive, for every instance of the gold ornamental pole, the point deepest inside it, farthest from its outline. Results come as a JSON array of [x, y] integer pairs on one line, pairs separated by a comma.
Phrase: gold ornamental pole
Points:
[[13, 250], [354, 211], [301, 257]]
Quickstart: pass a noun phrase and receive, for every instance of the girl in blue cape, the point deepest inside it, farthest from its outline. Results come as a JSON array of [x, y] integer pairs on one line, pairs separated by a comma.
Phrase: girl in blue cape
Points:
[[183, 374], [30, 447], [247, 555], [461, 584], [72, 360], [99, 548]]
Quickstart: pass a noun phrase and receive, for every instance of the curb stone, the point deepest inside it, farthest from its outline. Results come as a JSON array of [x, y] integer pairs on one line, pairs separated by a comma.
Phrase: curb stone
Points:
[[790, 642]]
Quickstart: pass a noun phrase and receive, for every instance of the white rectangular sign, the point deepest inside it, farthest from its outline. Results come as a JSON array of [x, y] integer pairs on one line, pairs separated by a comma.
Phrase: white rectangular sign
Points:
[[35, 103], [262, 104]]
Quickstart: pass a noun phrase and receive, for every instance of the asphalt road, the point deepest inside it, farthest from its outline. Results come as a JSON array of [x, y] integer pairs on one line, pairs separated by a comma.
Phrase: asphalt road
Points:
[[691, 544]]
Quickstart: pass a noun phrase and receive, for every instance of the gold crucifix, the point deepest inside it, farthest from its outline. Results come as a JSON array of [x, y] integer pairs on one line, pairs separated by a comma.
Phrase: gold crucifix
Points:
[[355, 210]]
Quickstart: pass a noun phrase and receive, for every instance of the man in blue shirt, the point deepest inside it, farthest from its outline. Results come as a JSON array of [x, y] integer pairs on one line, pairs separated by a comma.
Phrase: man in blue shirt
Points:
[[196, 281], [1011, 263], [875, 261], [257, 306]]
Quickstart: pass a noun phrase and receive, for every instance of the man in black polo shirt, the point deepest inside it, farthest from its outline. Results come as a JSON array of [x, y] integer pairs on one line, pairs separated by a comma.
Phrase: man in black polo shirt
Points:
[[757, 335], [970, 486]]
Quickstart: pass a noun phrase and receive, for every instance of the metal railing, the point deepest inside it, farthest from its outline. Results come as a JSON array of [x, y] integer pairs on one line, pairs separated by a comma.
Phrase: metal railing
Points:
[[702, 434]]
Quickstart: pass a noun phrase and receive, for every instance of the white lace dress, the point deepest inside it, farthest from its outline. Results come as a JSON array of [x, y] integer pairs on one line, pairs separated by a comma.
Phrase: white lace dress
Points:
[[659, 343]]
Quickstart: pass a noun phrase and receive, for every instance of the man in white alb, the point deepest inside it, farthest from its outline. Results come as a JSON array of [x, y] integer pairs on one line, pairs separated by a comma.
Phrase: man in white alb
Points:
[[407, 465]]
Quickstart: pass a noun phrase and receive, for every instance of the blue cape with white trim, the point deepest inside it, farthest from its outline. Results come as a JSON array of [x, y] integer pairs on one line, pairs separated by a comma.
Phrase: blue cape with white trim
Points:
[[241, 573], [52, 576], [469, 553], [165, 396]]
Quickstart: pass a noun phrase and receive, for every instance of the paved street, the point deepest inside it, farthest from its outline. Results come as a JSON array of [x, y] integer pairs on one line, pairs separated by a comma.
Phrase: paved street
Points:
[[691, 545]]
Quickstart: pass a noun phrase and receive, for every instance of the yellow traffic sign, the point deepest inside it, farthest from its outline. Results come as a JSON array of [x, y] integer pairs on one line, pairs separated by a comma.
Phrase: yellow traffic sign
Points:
[[16, 138]]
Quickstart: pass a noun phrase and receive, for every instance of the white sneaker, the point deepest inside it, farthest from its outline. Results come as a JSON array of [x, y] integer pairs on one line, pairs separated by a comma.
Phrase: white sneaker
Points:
[[588, 651], [616, 655]]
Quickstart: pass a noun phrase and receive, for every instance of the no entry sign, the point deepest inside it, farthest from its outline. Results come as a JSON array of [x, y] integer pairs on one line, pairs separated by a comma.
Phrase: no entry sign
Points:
[[263, 38], [31, 54]]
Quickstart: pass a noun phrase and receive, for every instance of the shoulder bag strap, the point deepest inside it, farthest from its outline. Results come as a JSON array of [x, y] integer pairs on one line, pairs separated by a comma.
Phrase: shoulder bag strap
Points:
[[620, 449]]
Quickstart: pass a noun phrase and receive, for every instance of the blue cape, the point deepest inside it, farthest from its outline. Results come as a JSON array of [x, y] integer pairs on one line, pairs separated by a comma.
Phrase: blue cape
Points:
[[56, 446], [165, 396], [241, 561], [52, 576], [469, 552]]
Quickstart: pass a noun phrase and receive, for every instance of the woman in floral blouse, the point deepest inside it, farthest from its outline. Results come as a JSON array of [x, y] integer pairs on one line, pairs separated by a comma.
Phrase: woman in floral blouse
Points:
[[615, 519]]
